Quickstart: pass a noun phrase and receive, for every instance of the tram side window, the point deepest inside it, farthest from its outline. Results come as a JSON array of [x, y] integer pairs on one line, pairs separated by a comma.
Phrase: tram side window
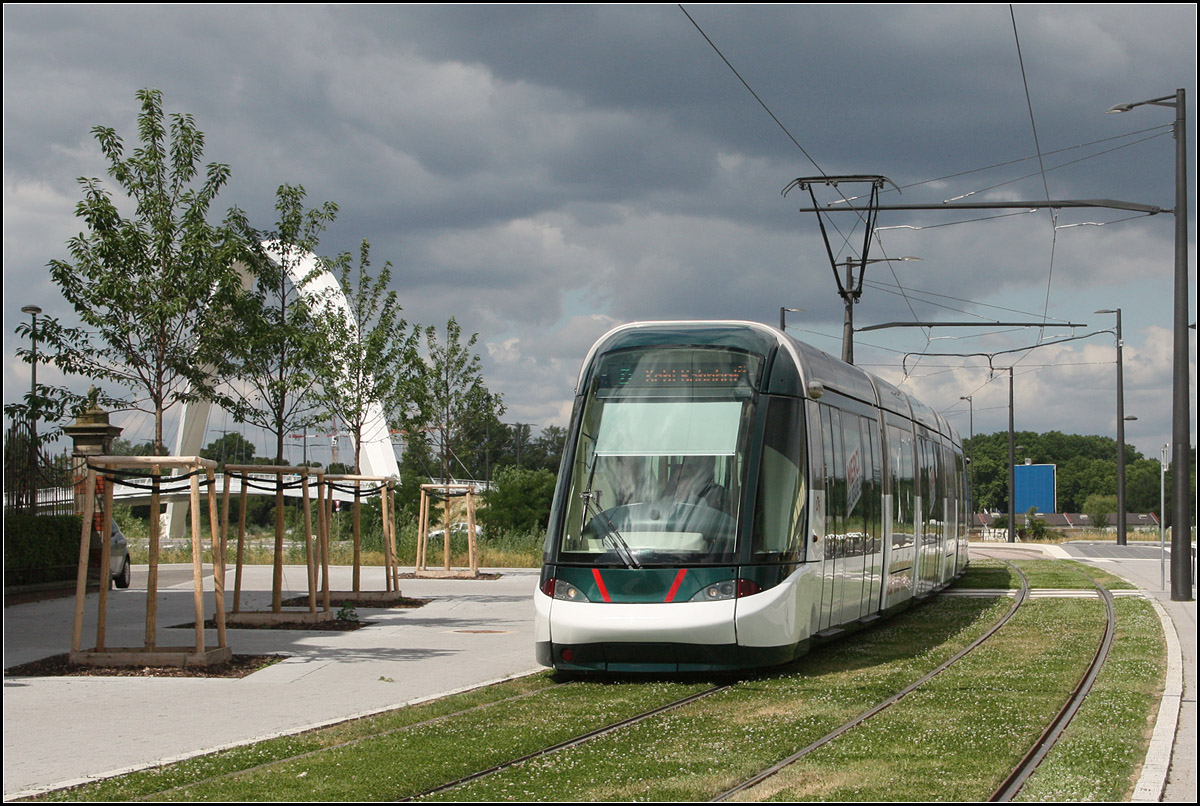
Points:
[[932, 490], [856, 503], [900, 443], [835, 483], [871, 481], [779, 526], [953, 466]]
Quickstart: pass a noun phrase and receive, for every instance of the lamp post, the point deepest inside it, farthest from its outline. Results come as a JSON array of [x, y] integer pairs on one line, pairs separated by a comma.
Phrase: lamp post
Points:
[[1121, 536], [783, 316], [1181, 519], [970, 458], [850, 292], [31, 461], [33, 311], [1162, 519], [1012, 466]]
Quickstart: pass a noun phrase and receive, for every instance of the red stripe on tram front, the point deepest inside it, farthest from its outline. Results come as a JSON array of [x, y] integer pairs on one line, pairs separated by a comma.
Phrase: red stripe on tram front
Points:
[[675, 585], [600, 585]]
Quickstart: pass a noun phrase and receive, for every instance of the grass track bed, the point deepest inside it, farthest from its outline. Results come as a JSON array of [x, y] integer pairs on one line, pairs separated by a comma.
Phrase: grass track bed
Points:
[[958, 736], [952, 740], [700, 750]]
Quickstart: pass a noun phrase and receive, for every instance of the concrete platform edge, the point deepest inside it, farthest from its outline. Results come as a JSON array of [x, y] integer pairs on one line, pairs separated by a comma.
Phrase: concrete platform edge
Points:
[[42, 790]]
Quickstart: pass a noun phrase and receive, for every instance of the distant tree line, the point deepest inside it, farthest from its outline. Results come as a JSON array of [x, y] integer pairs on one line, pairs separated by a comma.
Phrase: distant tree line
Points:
[[1085, 468]]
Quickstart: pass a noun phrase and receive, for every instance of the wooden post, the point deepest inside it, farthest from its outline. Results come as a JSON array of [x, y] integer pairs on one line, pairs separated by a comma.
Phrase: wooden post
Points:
[[241, 544], [152, 574], [422, 530], [387, 542], [308, 548], [105, 563], [472, 547], [391, 491], [326, 518], [357, 520], [446, 531], [277, 576], [85, 539], [217, 529], [197, 565]]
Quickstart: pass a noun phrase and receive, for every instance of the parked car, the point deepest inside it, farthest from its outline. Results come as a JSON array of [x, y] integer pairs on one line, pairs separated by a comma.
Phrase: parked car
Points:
[[119, 568], [456, 528]]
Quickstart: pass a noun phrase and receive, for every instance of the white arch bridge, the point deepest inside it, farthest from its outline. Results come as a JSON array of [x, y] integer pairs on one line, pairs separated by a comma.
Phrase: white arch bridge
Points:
[[377, 456]]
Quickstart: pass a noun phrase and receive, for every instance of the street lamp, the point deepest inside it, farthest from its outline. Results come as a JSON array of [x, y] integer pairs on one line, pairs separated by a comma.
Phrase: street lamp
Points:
[[33, 311], [1012, 466], [1162, 518], [1121, 536], [1181, 518], [31, 461], [850, 293], [970, 460]]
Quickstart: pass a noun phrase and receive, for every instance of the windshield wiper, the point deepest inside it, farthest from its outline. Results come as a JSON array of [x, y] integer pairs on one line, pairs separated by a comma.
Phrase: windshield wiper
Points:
[[610, 532]]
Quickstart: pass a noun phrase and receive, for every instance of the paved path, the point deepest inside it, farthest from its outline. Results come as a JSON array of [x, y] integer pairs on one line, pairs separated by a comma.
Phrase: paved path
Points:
[[63, 730], [1141, 564]]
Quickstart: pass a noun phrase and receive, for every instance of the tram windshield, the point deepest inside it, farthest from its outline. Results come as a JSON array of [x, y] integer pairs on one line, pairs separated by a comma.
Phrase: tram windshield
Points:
[[658, 468]]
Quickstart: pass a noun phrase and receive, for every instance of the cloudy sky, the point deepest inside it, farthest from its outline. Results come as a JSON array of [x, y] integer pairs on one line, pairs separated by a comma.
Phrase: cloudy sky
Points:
[[544, 173]]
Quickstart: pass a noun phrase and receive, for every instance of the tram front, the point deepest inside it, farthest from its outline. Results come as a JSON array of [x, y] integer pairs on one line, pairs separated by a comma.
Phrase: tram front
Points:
[[642, 554]]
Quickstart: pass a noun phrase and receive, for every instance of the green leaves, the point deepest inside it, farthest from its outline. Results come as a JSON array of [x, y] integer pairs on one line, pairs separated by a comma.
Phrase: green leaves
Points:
[[454, 395], [276, 350], [372, 354], [149, 288]]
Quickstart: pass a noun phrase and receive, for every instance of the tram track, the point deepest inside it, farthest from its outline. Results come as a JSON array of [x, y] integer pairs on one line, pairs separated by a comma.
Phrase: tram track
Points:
[[445, 722], [1029, 763], [574, 742], [828, 738]]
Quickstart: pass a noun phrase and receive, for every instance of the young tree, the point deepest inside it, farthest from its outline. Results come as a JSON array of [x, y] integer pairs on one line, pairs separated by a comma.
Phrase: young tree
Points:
[[276, 350], [519, 501], [150, 289], [371, 352], [231, 448], [454, 393]]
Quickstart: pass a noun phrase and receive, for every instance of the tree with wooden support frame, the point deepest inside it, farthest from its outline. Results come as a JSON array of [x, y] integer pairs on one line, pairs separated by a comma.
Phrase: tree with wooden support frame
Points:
[[151, 654], [315, 553], [385, 487], [446, 491]]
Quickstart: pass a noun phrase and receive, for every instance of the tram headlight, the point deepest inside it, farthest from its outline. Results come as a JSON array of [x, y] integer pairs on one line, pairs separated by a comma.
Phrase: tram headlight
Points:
[[716, 592], [729, 589], [566, 591]]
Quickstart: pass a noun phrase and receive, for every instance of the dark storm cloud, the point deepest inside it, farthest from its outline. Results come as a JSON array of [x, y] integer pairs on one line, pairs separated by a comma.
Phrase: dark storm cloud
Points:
[[545, 172]]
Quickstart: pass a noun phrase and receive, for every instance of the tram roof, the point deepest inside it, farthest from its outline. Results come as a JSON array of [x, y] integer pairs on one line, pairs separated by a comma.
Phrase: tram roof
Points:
[[811, 363]]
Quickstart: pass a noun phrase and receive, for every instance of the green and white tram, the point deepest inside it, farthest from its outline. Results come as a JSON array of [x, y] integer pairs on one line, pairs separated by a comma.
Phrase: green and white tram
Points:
[[729, 495]]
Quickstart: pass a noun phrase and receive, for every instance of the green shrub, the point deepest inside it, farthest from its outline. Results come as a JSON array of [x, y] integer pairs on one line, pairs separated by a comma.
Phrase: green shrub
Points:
[[40, 548]]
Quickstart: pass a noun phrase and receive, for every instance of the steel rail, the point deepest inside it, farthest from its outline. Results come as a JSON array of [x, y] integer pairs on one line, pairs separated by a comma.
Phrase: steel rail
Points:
[[1033, 758], [864, 716], [578, 740]]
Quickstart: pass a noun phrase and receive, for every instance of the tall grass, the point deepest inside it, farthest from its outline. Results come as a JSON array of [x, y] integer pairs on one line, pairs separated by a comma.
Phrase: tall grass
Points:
[[496, 550]]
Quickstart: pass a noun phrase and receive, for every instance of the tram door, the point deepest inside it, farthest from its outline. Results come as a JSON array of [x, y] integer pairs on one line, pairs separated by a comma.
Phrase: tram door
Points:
[[902, 515], [850, 467]]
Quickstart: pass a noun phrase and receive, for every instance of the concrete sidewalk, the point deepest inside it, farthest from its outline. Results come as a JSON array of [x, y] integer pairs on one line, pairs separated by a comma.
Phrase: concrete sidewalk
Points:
[[64, 730]]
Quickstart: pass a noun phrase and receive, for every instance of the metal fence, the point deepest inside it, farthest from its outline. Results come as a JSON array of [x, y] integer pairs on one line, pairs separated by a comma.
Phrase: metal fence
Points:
[[35, 483]]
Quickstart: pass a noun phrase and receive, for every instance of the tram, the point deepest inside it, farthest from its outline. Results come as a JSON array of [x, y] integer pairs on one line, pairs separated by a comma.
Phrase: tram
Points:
[[728, 496]]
